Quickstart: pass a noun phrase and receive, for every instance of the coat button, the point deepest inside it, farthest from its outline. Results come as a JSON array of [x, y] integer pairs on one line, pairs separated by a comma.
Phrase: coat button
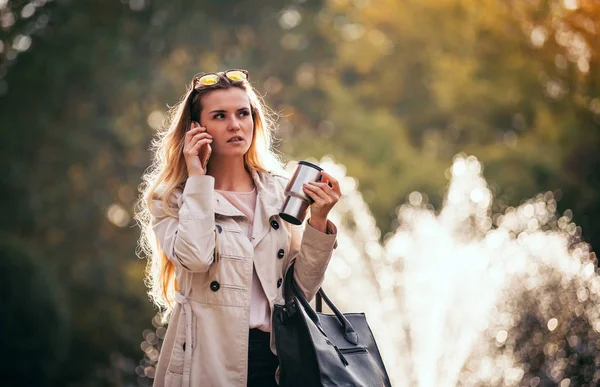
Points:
[[214, 286], [280, 253], [274, 224], [219, 229], [279, 281]]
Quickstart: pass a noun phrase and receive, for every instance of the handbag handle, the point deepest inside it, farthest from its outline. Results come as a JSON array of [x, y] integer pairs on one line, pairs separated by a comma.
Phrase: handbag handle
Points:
[[292, 287], [349, 332], [319, 302]]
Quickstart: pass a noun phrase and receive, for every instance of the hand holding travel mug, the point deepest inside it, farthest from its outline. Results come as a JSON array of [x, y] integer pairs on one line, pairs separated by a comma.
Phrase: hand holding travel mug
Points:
[[296, 202]]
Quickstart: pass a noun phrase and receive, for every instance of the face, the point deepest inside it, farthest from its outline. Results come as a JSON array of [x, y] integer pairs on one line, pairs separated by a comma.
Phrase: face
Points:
[[227, 117]]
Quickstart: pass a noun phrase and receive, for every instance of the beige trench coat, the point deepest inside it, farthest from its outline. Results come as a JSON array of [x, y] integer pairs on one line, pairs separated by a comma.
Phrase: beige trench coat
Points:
[[207, 337]]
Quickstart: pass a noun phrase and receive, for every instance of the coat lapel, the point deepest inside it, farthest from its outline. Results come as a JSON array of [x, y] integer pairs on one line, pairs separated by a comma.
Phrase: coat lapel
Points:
[[268, 203]]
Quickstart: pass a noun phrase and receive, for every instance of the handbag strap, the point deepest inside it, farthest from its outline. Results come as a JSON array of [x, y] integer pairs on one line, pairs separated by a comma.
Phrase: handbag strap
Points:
[[319, 302], [291, 290], [293, 295], [349, 332]]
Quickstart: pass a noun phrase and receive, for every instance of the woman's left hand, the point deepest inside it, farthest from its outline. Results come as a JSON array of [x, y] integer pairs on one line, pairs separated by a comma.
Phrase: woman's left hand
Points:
[[325, 197]]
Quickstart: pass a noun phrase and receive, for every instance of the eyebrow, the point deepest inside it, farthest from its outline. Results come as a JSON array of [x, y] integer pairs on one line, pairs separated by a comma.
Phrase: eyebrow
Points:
[[225, 111]]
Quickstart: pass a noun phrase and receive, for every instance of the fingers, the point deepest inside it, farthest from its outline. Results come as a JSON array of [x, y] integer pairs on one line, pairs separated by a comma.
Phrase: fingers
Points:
[[314, 196], [328, 189], [197, 137], [195, 128], [195, 125], [335, 185], [320, 191], [194, 150]]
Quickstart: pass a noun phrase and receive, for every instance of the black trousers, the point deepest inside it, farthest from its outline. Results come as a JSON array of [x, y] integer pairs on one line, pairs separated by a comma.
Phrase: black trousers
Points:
[[261, 361]]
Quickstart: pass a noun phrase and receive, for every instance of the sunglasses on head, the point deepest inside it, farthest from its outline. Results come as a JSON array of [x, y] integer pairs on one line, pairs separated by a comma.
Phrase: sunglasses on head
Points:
[[210, 79]]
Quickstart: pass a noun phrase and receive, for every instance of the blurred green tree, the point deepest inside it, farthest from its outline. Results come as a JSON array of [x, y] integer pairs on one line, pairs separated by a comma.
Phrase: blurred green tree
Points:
[[34, 322]]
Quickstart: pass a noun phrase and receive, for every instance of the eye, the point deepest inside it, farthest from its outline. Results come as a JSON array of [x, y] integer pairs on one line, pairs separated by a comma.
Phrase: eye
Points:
[[219, 115], [245, 113]]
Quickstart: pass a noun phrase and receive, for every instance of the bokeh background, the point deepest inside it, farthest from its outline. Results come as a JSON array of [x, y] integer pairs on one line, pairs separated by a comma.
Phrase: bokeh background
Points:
[[391, 89]]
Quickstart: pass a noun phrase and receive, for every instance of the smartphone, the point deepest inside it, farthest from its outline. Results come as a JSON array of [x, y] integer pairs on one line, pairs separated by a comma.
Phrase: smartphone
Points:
[[204, 153]]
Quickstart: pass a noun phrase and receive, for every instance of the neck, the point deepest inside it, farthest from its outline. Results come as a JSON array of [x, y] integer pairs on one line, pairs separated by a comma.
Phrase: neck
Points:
[[230, 174]]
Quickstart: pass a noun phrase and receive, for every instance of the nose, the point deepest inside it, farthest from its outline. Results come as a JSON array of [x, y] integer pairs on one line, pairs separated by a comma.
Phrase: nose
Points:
[[234, 124]]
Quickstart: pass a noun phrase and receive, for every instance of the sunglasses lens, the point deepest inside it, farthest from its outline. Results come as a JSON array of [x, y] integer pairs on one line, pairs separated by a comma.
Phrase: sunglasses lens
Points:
[[208, 80], [236, 75]]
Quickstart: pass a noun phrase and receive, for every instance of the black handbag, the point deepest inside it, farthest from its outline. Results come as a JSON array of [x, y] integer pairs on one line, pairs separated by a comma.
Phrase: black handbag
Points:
[[316, 349]]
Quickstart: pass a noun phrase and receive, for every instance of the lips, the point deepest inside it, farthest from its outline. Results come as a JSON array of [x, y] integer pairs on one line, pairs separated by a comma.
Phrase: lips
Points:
[[235, 139]]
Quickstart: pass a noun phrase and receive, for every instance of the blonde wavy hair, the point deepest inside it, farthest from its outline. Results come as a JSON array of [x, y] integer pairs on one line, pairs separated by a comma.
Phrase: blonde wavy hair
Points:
[[169, 172]]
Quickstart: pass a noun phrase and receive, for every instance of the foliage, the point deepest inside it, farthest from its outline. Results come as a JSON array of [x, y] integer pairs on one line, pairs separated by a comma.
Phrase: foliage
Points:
[[31, 294]]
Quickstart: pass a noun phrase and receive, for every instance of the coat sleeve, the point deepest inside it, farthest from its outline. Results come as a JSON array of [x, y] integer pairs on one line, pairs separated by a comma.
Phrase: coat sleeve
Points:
[[314, 250], [190, 240]]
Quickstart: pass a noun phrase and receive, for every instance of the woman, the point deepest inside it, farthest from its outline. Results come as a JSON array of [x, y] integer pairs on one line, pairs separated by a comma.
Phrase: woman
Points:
[[219, 250]]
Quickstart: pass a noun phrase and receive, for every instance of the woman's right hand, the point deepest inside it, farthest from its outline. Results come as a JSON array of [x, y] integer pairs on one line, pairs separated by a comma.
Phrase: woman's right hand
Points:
[[196, 149]]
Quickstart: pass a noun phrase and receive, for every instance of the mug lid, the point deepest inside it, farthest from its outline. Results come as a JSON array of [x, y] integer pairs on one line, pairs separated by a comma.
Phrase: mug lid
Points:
[[310, 165]]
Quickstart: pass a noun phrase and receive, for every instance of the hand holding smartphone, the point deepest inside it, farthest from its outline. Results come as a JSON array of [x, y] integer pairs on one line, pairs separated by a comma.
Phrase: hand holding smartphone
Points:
[[205, 151], [196, 149]]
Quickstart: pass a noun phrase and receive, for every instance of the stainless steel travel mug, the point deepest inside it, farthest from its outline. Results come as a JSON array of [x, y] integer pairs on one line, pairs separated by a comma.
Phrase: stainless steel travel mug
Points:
[[296, 202]]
